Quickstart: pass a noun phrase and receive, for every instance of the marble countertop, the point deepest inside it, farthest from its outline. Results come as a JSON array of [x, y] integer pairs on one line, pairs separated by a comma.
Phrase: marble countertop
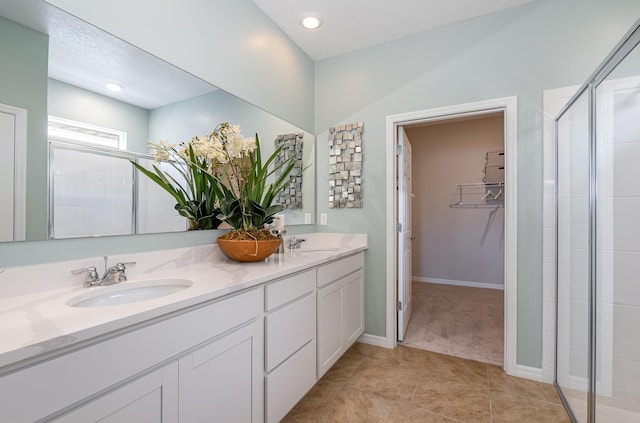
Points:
[[36, 321]]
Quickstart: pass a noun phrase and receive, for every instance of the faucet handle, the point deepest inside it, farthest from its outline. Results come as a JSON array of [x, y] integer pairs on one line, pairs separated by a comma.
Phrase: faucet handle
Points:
[[294, 242], [92, 274], [122, 265], [119, 268]]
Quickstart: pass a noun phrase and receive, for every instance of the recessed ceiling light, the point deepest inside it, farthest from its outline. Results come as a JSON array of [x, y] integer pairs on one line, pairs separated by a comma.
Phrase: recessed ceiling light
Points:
[[112, 86], [310, 21]]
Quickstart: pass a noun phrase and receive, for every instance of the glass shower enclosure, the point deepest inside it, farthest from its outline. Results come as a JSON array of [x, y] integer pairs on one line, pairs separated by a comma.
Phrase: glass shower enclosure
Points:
[[598, 242]]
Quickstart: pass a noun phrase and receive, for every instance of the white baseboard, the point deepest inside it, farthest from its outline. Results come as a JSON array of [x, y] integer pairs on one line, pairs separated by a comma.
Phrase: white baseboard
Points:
[[533, 373], [548, 374], [378, 341], [459, 283]]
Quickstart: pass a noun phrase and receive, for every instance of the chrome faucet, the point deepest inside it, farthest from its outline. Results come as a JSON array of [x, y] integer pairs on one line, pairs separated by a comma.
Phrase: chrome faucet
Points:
[[92, 277], [294, 242], [113, 274]]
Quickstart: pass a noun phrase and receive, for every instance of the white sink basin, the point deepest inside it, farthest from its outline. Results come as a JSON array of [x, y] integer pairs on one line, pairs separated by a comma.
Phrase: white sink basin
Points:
[[129, 292], [313, 250], [321, 249]]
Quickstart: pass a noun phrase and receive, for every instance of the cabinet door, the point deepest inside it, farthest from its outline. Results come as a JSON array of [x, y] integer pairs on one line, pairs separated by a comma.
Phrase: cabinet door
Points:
[[353, 313], [222, 381], [329, 323], [150, 398], [340, 318]]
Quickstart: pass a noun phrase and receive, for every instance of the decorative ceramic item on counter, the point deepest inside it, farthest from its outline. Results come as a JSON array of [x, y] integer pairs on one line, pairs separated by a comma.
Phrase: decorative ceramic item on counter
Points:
[[248, 250]]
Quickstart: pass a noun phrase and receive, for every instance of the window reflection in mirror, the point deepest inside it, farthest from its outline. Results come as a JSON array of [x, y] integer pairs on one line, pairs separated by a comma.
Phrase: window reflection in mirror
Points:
[[94, 191]]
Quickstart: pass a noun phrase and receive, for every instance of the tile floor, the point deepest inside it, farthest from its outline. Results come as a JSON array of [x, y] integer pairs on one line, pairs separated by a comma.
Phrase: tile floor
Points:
[[372, 384]]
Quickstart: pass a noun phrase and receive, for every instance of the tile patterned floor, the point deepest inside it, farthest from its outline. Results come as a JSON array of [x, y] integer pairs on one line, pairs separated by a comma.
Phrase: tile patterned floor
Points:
[[371, 384]]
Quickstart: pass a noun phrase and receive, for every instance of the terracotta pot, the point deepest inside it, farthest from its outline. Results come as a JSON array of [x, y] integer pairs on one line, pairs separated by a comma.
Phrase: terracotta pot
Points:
[[248, 250]]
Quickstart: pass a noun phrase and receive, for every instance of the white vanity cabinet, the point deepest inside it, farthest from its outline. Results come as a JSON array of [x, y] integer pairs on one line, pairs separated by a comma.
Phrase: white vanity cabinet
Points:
[[290, 348], [340, 308], [150, 373], [245, 357]]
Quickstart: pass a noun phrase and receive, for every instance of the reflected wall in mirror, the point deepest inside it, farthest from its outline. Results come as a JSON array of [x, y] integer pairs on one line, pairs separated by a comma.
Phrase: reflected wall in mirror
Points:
[[59, 68]]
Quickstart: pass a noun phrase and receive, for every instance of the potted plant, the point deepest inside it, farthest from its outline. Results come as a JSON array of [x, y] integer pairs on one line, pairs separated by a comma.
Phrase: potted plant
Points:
[[246, 190], [195, 189], [226, 180]]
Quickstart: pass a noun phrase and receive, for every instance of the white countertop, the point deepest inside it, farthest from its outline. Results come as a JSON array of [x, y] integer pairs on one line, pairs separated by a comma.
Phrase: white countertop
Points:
[[35, 320]]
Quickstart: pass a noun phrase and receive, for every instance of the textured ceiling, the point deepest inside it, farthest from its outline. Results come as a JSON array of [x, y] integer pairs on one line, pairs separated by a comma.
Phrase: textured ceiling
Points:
[[349, 25], [83, 55]]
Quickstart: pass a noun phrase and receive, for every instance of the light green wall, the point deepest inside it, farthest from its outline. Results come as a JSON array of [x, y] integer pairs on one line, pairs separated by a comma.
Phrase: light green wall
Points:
[[23, 53], [231, 44], [199, 115], [519, 52], [70, 102]]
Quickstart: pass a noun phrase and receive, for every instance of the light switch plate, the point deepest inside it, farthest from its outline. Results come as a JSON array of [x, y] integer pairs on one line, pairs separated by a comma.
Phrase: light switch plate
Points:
[[307, 218], [323, 218]]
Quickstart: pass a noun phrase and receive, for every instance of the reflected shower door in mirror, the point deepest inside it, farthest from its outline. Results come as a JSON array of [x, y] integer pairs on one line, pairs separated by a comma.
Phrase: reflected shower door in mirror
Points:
[[96, 192], [61, 71]]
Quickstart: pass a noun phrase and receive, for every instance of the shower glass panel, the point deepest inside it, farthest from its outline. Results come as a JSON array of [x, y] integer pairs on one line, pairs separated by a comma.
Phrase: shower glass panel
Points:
[[617, 117], [598, 242], [572, 365], [92, 194]]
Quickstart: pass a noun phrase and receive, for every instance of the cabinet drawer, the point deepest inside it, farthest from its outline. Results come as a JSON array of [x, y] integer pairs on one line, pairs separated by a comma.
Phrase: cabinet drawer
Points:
[[288, 329], [287, 384], [339, 268], [290, 288]]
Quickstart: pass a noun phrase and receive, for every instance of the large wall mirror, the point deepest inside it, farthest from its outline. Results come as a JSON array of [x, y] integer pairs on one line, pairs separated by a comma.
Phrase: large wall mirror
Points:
[[67, 139]]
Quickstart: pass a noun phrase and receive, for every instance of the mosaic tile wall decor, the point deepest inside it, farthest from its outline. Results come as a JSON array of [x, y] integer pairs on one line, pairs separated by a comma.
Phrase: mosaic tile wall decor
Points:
[[345, 166], [291, 195]]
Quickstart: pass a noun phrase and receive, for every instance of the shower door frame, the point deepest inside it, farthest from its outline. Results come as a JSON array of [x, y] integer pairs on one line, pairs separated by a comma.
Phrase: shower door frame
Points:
[[624, 47]]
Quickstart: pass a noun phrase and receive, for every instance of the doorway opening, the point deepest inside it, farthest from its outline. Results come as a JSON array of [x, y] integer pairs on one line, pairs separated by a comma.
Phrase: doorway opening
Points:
[[456, 238], [495, 235]]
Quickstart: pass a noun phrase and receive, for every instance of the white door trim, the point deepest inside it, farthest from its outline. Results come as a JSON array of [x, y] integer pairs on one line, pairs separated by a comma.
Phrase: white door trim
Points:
[[509, 106], [20, 170]]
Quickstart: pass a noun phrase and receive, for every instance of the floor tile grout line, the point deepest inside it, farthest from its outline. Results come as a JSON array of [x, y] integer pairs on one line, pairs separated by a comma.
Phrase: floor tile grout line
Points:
[[494, 385], [486, 369]]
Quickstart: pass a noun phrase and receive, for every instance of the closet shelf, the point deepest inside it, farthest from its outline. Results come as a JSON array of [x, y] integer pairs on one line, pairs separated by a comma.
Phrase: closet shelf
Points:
[[479, 195]]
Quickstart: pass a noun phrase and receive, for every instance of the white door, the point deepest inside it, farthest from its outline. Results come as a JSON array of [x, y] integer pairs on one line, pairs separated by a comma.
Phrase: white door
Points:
[[7, 137], [404, 233], [13, 143]]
